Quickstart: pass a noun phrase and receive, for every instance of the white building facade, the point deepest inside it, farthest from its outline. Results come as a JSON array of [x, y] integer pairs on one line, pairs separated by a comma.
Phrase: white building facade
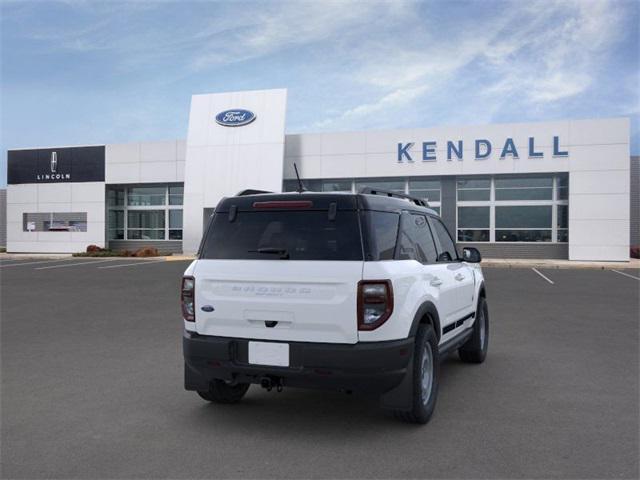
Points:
[[526, 190]]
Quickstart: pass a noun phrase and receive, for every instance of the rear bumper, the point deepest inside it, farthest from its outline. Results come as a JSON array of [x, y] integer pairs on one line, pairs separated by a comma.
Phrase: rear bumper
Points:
[[374, 367]]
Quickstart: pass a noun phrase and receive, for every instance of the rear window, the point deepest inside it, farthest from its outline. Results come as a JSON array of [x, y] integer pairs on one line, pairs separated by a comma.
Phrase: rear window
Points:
[[275, 235]]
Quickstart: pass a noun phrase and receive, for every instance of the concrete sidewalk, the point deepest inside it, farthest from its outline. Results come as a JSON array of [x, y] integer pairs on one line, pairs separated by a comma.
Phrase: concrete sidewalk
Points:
[[65, 256], [33, 256], [633, 263]]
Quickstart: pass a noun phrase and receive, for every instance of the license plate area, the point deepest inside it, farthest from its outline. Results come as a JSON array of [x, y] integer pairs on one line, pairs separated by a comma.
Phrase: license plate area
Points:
[[269, 353]]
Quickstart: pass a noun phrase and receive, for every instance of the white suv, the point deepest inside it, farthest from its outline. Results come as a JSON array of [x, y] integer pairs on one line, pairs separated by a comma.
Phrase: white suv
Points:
[[355, 292]]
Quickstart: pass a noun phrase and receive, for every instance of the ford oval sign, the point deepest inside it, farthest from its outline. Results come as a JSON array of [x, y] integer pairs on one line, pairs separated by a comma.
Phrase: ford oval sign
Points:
[[235, 118]]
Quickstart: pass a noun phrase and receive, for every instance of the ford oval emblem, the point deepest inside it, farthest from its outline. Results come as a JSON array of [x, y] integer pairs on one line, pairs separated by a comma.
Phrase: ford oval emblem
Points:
[[235, 118]]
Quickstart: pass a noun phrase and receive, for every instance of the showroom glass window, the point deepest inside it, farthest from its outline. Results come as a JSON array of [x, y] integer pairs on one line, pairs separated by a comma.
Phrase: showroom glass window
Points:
[[54, 222], [396, 185], [148, 212], [146, 196], [420, 187], [510, 208], [426, 189], [474, 209], [474, 189], [337, 185], [474, 224]]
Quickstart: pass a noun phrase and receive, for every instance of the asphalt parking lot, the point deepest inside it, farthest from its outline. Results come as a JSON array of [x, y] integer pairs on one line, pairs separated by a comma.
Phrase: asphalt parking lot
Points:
[[92, 387]]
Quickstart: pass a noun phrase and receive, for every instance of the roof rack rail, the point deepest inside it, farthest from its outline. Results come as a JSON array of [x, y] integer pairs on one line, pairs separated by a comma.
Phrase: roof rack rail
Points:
[[250, 191], [376, 191]]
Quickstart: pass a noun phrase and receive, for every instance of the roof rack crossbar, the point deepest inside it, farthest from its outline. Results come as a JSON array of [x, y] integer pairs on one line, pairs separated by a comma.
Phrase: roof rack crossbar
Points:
[[376, 191]]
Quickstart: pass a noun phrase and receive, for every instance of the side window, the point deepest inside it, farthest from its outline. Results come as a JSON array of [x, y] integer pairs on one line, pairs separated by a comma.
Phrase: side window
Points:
[[383, 233], [447, 249], [415, 241], [406, 247]]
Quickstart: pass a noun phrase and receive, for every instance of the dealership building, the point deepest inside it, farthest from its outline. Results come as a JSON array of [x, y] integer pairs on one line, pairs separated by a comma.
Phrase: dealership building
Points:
[[561, 189]]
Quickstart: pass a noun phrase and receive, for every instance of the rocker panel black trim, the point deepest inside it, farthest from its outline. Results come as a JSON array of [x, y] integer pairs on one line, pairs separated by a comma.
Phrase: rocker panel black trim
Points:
[[457, 323]]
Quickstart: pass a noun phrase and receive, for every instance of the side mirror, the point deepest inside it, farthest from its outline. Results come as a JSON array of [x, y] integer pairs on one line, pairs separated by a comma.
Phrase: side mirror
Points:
[[471, 255]]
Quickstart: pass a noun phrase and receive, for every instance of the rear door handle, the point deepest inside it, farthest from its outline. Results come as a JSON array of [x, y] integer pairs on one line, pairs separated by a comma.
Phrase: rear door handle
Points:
[[435, 282], [459, 277]]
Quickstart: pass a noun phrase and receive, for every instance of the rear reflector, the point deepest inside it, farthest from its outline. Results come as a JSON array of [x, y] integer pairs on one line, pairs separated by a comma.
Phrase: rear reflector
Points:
[[284, 204]]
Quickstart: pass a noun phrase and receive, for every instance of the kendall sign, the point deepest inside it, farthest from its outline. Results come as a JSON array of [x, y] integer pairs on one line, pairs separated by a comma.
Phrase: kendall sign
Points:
[[482, 150]]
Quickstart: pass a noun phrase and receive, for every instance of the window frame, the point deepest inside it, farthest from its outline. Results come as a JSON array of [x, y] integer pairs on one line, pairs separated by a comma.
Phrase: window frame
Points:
[[492, 203], [125, 208], [482, 229], [70, 226], [162, 229], [433, 204]]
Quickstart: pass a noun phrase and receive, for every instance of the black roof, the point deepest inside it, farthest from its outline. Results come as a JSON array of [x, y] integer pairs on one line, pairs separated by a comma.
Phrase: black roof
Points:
[[322, 200]]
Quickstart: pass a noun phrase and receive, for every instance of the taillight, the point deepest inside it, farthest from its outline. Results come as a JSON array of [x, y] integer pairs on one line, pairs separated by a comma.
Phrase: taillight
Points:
[[187, 299], [375, 303]]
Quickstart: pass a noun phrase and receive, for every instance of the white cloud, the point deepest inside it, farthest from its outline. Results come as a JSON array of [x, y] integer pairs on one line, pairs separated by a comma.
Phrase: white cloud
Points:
[[560, 60], [538, 52], [359, 60], [391, 101], [286, 25]]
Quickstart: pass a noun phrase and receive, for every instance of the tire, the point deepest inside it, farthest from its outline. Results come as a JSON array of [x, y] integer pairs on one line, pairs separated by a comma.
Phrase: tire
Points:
[[222, 392], [475, 349], [426, 366]]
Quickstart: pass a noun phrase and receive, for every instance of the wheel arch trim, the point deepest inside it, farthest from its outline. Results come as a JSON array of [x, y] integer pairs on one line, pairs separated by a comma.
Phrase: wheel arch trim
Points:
[[426, 309]]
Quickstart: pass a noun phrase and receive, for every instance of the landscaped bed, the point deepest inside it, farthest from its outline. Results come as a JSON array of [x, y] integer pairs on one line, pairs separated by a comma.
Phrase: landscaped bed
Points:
[[95, 251]]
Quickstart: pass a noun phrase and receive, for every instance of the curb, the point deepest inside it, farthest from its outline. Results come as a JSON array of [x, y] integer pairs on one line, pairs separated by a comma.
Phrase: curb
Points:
[[179, 258], [635, 265]]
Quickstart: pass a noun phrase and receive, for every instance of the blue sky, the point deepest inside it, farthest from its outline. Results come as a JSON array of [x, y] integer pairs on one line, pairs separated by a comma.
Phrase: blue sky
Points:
[[88, 72]]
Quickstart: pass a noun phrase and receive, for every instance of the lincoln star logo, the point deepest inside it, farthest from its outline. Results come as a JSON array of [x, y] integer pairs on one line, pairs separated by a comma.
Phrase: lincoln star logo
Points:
[[235, 118], [55, 175]]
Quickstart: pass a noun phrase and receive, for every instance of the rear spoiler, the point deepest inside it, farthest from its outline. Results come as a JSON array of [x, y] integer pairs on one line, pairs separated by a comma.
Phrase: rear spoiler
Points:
[[250, 191]]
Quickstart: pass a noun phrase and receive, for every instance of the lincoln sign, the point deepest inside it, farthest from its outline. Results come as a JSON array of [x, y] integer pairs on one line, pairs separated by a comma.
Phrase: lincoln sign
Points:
[[56, 165]]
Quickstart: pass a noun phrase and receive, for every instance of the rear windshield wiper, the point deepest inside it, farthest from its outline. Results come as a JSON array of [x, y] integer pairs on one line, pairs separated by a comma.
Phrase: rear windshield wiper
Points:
[[284, 255]]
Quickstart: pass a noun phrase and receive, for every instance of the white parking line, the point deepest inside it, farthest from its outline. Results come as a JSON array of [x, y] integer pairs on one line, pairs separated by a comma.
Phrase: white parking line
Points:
[[546, 278], [141, 262], [33, 263], [74, 264], [625, 274]]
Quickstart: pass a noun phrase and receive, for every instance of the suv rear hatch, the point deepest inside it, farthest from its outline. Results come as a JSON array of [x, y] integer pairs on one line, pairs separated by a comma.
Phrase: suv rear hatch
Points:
[[281, 267]]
